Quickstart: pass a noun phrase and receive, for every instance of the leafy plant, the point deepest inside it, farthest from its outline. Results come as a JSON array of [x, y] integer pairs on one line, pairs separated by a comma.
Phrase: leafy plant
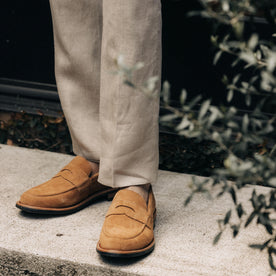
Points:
[[245, 138]]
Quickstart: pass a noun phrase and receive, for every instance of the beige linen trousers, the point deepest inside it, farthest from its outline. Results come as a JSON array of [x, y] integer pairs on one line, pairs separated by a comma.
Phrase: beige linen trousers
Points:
[[109, 122]]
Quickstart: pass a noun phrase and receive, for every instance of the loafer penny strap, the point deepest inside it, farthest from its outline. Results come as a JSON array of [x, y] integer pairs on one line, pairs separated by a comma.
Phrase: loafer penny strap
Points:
[[130, 209], [76, 179]]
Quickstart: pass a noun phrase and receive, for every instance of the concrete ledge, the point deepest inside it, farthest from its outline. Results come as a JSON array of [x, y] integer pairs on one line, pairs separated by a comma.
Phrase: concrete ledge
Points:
[[35, 245], [14, 263]]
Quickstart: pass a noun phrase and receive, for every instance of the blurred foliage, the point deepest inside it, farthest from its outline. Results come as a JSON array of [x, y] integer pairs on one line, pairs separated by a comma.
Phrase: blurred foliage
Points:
[[244, 138], [235, 133]]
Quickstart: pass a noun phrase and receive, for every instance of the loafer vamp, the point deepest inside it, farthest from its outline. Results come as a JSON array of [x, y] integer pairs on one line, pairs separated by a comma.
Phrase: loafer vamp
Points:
[[122, 226], [70, 190], [68, 187], [123, 233], [65, 199], [52, 187]]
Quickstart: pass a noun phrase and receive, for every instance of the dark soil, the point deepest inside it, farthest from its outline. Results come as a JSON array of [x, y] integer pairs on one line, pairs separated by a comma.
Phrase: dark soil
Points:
[[177, 153]]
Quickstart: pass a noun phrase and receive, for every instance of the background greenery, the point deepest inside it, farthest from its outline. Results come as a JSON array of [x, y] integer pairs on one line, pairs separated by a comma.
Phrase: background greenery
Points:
[[244, 138]]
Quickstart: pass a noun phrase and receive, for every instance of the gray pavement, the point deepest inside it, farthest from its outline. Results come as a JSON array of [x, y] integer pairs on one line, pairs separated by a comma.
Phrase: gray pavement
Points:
[[36, 245]]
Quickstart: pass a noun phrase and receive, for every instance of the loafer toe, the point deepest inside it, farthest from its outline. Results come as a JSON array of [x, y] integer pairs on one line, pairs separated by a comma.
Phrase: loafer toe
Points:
[[128, 227], [68, 191]]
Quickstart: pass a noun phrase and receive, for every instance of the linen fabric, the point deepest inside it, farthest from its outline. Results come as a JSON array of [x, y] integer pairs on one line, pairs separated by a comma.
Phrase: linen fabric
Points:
[[109, 122]]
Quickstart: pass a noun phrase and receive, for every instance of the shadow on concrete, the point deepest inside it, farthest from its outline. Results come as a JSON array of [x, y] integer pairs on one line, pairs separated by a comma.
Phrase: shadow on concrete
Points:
[[122, 261]]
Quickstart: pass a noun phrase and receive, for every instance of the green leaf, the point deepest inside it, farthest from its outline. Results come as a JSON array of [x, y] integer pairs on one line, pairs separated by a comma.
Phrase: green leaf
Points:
[[239, 210], [168, 117], [225, 80], [245, 123], [271, 63], [271, 262], [184, 124], [235, 62], [238, 27], [254, 199], [230, 95], [233, 195], [253, 41], [166, 92], [273, 150], [217, 238], [256, 246], [235, 229], [188, 199], [272, 181], [217, 57], [183, 96], [194, 101], [248, 99], [204, 108], [269, 228], [232, 125], [227, 217], [225, 6], [236, 78], [129, 83], [214, 39], [250, 218], [260, 246], [258, 55], [215, 114], [248, 57]]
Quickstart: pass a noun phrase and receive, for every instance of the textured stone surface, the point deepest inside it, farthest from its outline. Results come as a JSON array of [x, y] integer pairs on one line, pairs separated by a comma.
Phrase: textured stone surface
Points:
[[47, 245]]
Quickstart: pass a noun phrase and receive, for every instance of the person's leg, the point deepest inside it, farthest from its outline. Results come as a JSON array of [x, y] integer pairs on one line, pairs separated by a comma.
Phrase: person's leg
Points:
[[77, 29], [77, 36], [129, 126], [129, 118]]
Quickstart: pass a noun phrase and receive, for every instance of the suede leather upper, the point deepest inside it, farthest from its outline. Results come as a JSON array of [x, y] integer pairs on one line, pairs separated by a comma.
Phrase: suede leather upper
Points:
[[68, 187], [128, 225]]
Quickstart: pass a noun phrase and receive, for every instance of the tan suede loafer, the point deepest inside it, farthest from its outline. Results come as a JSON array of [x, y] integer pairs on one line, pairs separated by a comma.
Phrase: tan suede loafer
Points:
[[128, 227], [70, 190]]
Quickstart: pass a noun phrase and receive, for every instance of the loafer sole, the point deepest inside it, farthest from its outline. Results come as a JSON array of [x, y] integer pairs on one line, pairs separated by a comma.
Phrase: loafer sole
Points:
[[125, 254], [108, 194]]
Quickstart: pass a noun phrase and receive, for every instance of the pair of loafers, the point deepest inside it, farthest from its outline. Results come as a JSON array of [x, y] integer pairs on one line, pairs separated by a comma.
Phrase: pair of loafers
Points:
[[128, 227]]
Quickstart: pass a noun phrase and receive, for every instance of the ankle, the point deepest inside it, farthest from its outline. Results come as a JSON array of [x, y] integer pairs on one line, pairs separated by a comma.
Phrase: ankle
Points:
[[142, 190], [94, 167]]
